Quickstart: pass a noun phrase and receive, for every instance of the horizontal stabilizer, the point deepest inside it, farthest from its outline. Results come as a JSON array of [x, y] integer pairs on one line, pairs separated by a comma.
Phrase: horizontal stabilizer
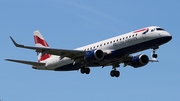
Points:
[[27, 62]]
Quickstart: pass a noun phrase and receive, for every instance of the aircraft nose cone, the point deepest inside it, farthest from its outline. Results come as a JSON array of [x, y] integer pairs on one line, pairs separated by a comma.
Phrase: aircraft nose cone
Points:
[[170, 37], [166, 37]]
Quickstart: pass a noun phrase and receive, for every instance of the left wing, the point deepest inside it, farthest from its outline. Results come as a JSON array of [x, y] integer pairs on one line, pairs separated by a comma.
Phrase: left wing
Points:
[[73, 54]]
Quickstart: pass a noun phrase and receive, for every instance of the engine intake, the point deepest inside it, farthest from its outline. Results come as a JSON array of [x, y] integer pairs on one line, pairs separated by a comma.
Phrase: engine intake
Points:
[[139, 60], [94, 55]]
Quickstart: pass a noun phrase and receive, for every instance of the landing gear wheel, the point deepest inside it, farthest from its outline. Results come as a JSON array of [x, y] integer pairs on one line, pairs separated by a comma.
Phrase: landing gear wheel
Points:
[[82, 70], [115, 73], [112, 73], [154, 55], [85, 70]]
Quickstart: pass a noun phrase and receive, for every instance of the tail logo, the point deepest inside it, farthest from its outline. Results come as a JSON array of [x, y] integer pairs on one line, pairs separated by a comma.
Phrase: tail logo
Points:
[[40, 41], [44, 57]]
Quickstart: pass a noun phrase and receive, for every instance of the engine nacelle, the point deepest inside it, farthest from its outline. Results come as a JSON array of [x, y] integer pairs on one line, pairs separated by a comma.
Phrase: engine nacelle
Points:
[[94, 55], [139, 60]]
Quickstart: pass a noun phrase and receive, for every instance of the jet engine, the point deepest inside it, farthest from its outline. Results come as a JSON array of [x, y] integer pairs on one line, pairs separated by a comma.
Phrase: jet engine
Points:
[[94, 55], [139, 60]]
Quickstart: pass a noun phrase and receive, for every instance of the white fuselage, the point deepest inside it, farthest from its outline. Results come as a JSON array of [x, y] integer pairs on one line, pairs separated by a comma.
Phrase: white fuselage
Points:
[[109, 45]]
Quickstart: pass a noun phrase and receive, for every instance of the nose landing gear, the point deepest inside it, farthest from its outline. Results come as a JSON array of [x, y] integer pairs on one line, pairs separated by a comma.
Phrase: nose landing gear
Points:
[[154, 55]]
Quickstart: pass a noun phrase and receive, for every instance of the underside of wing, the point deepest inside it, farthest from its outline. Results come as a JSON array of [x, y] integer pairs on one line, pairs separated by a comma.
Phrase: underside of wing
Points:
[[27, 62]]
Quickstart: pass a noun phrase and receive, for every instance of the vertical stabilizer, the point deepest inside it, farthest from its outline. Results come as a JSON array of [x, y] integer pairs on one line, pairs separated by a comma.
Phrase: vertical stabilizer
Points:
[[40, 42]]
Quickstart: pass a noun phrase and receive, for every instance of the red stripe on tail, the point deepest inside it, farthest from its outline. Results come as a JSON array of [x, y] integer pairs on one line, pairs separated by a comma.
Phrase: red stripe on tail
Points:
[[44, 57], [40, 41]]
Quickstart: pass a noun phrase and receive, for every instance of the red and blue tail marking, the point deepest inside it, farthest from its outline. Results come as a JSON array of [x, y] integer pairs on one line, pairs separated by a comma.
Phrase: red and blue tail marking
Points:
[[41, 42]]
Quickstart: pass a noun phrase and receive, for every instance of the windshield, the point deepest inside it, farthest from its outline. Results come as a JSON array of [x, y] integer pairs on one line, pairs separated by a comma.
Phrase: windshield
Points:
[[160, 29]]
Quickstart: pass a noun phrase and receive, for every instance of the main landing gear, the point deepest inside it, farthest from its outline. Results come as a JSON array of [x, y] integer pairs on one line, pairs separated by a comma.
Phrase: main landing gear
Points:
[[85, 70], [114, 72]]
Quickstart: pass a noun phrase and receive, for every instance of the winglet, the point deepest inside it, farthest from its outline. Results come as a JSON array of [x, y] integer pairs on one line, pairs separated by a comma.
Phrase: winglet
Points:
[[15, 43]]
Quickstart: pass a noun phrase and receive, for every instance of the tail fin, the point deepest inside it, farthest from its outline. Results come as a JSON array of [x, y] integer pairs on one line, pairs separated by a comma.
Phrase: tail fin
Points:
[[40, 42]]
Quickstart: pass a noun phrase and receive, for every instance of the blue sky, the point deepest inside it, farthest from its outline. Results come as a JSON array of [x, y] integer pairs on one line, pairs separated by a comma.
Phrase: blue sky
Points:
[[69, 24]]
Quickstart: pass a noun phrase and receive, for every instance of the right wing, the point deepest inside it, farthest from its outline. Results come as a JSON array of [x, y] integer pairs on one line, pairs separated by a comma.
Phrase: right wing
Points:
[[73, 54], [27, 62]]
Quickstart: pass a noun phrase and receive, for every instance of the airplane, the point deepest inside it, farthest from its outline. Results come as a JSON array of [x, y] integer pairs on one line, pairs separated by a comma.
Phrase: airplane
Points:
[[110, 52]]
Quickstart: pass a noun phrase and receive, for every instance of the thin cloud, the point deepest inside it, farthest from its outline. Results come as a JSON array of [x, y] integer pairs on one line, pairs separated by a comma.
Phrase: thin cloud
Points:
[[91, 10]]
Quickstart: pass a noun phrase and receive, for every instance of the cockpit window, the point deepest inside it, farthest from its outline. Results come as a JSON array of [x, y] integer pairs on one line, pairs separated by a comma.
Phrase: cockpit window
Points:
[[160, 29], [152, 30]]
